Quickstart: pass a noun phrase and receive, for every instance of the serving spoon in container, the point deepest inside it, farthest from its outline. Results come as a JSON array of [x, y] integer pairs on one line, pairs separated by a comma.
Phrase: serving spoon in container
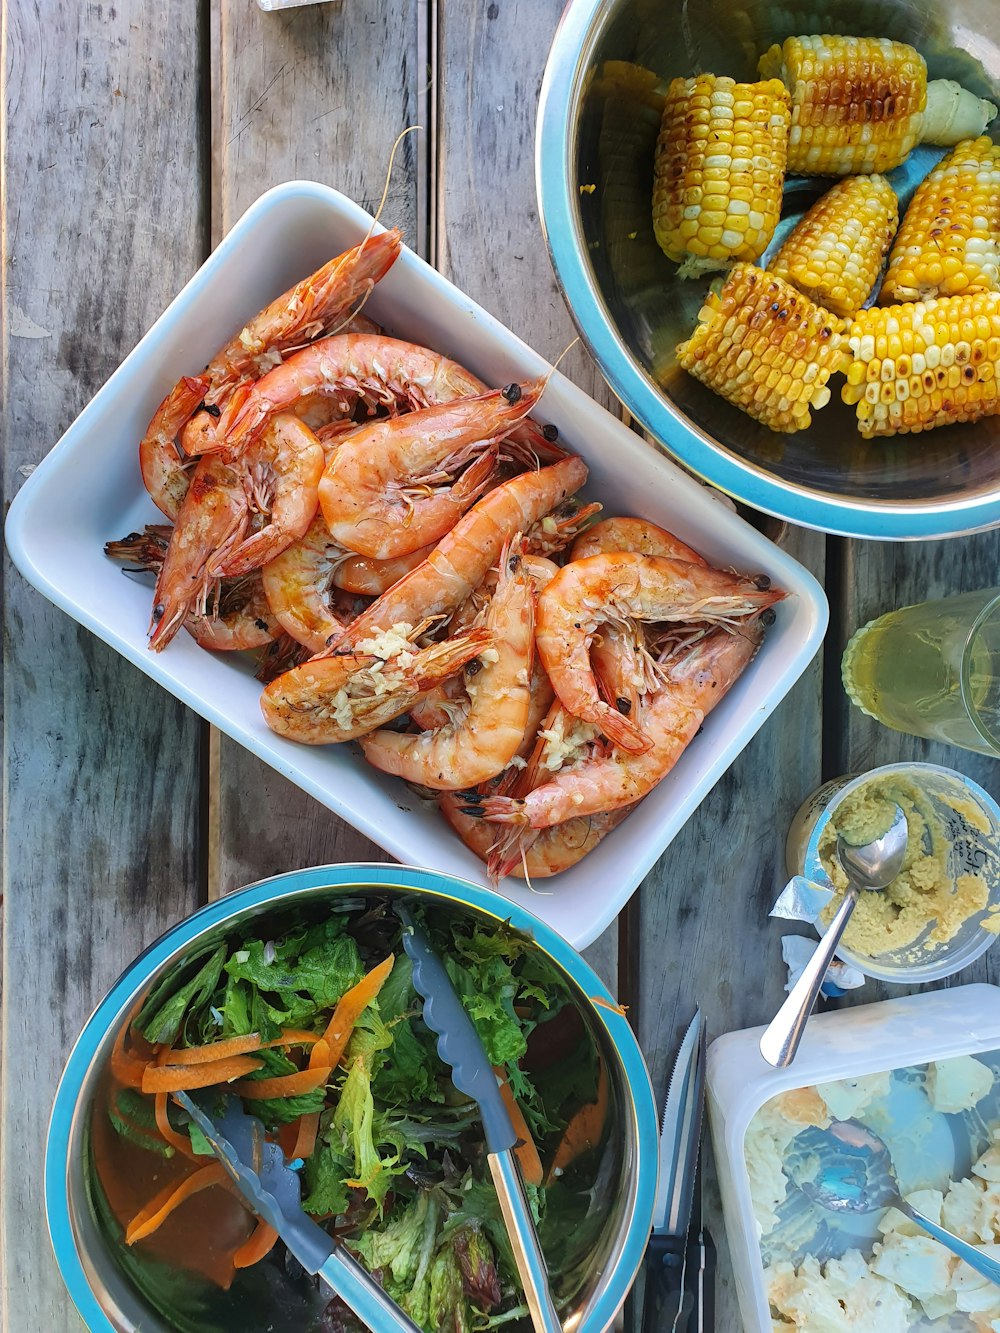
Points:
[[871, 866], [858, 1178]]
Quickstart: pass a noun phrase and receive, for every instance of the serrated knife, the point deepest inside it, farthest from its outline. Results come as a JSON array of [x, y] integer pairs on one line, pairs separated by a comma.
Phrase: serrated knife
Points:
[[461, 1048], [678, 1271], [272, 1189]]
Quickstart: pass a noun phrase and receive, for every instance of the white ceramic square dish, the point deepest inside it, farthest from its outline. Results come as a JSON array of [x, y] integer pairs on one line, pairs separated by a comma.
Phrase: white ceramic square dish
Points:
[[844, 1044], [88, 490]]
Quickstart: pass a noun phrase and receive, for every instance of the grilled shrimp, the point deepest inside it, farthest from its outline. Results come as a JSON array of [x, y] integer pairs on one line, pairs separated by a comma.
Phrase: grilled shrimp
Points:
[[460, 561], [618, 587], [608, 777], [366, 369], [212, 538], [488, 731], [554, 532], [371, 578], [297, 584], [530, 853], [389, 488], [632, 534], [333, 699], [301, 314], [281, 473], [166, 473], [238, 616]]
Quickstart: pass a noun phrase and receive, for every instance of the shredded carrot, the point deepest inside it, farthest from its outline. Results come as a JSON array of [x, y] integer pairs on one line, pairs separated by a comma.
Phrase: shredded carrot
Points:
[[179, 1078], [156, 1212], [224, 1050], [525, 1152], [331, 1046], [256, 1247], [606, 1004], [584, 1129], [127, 1069], [167, 1132], [305, 1139], [286, 1085]]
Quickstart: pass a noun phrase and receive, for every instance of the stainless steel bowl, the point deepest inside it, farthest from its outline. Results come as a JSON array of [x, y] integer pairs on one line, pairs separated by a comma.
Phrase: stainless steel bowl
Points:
[[114, 1290], [632, 310]]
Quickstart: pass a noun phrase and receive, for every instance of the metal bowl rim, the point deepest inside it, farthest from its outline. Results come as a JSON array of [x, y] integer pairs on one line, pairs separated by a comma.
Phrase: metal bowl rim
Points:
[[272, 892], [564, 73]]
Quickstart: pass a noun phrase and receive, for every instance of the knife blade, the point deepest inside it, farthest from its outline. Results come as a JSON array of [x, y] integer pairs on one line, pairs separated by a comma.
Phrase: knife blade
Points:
[[461, 1047], [260, 1172], [673, 1268]]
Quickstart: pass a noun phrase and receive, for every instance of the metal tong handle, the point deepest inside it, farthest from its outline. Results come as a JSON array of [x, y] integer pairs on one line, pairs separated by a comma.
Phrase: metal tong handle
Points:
[[346, 1278], [784, 1032], [524, 1242]]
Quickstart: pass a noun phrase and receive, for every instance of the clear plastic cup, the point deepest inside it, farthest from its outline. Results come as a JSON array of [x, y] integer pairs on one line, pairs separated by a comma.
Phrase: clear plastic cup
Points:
[[932, 670], [971, 851]]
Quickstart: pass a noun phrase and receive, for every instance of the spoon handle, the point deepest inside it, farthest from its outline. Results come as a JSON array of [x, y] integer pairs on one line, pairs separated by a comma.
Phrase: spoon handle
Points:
[[784, 1032], [988, 1268]]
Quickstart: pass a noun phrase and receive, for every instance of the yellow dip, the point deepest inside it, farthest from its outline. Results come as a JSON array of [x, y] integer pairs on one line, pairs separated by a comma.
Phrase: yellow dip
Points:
[[923, 899]]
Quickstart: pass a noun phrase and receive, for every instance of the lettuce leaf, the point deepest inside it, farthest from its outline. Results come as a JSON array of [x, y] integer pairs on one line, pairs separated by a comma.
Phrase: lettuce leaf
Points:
[[162, 1022], [303, 973], [353, 1129]]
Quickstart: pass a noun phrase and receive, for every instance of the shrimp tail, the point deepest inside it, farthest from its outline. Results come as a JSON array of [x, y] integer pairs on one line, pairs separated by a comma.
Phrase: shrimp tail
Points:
[[620, 731]]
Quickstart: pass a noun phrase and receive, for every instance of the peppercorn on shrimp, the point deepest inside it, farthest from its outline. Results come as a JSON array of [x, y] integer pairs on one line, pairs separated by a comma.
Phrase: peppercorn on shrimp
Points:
[[389, 488], [617, 587], [328, 700], [489, 729], [609, 777]]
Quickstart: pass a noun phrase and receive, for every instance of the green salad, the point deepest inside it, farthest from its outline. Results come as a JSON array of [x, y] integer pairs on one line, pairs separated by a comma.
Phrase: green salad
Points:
[[319, 1030]]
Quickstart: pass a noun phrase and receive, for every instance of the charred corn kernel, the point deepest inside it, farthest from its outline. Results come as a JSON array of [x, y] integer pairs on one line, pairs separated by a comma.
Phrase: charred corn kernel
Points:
[[834, 254], [857, 102], [718, 171], [860, 104], [766, 348], [950, 238], [923, 365]]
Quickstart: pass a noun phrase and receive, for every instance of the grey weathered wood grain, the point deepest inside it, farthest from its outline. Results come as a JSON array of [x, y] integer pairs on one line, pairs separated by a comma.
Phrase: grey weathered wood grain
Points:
[[706, 939], [488, 238], [321, 93], [877, 577], [104, 222]]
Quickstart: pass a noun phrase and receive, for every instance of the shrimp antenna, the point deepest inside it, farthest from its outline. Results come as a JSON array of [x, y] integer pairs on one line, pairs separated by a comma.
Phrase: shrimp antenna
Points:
[[410, 129]]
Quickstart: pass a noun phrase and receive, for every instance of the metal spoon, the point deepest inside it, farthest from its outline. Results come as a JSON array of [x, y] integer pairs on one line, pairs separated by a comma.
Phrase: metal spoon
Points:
[[872, 866], [859, 1178]]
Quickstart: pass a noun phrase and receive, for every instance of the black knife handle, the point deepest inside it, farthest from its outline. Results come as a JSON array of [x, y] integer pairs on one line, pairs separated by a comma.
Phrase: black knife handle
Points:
[[671, 1287], [708, 1282]]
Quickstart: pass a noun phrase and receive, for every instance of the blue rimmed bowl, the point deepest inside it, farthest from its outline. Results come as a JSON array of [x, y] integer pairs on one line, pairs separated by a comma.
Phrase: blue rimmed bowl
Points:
[[114, 1290], [595, 139]]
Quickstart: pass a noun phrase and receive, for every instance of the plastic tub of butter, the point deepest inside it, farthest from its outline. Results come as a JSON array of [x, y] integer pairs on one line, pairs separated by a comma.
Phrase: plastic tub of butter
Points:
[[923, 1071], [946, 912]]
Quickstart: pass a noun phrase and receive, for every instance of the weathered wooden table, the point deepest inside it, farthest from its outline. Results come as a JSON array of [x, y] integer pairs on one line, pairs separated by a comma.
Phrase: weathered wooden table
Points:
[[135, 134]]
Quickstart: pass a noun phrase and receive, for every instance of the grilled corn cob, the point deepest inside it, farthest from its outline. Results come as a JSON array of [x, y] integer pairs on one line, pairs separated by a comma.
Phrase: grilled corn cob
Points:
[[950, 238], [766, 348], [718, 170], [834, 254], [924, 365], [860, 104]]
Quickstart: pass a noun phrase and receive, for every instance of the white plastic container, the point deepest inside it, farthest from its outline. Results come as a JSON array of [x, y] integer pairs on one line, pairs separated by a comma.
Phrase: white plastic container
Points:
[[893, 1034], [88, 490]]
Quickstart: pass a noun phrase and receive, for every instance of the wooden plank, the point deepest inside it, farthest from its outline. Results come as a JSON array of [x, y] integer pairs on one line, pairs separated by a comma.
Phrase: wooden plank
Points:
[[876, 577], [705, 935], [104, 222], [488, 238], [319, 92]]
